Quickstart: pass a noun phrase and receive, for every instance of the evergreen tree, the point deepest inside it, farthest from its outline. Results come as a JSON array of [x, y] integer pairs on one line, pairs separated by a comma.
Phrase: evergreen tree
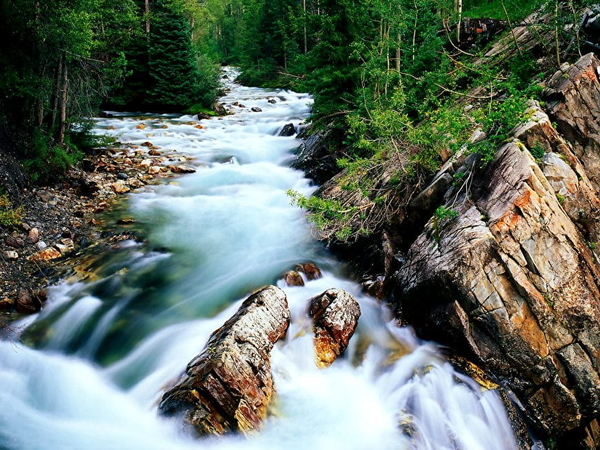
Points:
[[173, 69]]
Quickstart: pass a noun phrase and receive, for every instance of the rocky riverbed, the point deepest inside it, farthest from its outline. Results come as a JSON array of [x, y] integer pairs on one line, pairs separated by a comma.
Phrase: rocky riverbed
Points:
[[64, 224]]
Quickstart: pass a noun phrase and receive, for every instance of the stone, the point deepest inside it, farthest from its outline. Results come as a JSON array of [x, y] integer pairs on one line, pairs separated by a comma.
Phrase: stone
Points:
[[229, 386], [153, 152], [255, 109], [10, 254], [309, 269], [203, 116], [33, 236], [41, 245], [272, 101], [220, 109], [571, 96], [335, 315], [45, 254], [293, 278], [122, 176], [120, 187], [153, 170], [288, 130], [15, 242], [182, 168], [29, 301]]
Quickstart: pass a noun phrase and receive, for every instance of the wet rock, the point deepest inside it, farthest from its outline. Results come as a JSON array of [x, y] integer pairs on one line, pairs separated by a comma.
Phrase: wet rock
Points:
[[309, 269], [120, 187], [229, 386], [29, 301], [122, 176], [293, 278], [45, 254], [315, 159], [153, 152], [335, 315], [288, 130], [33, 236], [255, 109], [182, 169], [220, 109], [272, 101], [203, 116]]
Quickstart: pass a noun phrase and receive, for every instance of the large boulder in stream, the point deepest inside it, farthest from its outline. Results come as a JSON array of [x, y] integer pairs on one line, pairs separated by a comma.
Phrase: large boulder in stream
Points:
[[228, 387], [335, 315]]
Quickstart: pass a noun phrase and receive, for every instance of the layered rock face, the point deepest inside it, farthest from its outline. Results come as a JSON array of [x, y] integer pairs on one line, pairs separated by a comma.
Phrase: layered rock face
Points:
[[513, 280], [228, 387]]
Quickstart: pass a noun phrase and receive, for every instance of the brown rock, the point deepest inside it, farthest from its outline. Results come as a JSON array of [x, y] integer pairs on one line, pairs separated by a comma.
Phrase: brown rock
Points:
[[33, 236], [229, 386], [46, 254], [15, 242], [293, 278], [311, 271], [6, 304], [120, 187], [153, 152], [30, 302], [182, 168], [335, 314], [512, 282]]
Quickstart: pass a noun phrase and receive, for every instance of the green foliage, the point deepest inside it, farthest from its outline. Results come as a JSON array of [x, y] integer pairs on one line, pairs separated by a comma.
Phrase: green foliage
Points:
[[9, 216], [441, 216], [48, 163], [538, 151]]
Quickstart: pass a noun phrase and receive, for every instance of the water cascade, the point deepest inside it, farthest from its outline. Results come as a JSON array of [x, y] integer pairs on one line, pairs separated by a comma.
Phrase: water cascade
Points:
[[102, 351]]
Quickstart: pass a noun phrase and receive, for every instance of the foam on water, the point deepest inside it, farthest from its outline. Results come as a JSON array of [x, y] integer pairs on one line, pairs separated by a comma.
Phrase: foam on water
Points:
[[102, 352]]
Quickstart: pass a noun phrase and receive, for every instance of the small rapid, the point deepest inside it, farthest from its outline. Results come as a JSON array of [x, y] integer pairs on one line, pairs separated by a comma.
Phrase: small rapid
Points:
[[101, 353]]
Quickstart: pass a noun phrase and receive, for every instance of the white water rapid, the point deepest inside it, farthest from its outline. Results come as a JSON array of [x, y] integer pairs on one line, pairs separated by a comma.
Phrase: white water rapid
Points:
[[101, 353]]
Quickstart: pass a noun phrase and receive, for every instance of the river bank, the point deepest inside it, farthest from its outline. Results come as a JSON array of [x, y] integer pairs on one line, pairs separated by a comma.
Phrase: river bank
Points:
[[64, 224]]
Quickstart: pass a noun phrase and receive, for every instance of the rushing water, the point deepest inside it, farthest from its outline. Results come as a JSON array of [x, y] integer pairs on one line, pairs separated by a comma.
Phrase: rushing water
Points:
[[102, 352]]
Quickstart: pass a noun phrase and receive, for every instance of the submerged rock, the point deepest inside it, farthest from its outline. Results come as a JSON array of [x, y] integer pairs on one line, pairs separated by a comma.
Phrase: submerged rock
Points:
[[335, 315], [229, 386]]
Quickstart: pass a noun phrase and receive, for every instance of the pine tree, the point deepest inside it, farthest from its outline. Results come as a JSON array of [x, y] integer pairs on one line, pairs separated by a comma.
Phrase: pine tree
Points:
[[173, 70]]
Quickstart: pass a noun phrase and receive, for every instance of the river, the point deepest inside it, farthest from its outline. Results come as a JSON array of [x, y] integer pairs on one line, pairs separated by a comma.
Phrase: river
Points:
[[101, 353]]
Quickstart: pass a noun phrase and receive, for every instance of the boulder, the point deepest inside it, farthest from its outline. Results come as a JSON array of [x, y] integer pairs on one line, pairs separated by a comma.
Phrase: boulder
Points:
[[255, 109], [29, 301], [229, 386], [335, 315], [220, 109], [315, 159], [293, 278], [288, 130], [309, 269]]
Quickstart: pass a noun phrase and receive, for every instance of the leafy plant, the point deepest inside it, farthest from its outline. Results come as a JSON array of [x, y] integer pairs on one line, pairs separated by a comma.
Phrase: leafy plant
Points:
[[442, 215], [9, 216]]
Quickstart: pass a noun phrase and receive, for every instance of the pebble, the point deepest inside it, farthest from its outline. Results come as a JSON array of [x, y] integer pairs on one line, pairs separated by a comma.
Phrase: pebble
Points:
[[10, 254]]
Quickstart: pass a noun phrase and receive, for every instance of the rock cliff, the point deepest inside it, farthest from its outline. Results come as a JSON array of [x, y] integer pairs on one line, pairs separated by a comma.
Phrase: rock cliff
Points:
[[511, 279]]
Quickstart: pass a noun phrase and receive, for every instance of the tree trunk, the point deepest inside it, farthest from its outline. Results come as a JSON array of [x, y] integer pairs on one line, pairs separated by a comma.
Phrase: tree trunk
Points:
[[62, 126], [147, 14]]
